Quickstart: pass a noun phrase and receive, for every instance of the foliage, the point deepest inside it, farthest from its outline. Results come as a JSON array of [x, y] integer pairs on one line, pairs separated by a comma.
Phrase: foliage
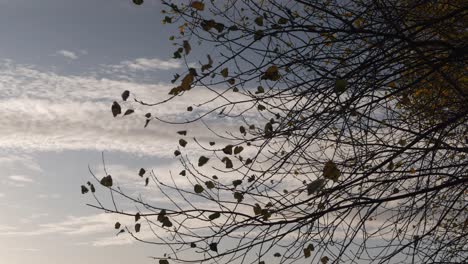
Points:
[[352, 137]]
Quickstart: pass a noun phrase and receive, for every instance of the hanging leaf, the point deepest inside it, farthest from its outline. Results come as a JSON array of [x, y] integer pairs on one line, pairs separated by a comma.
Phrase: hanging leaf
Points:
[[324, 260], [166, 222], [214, 216], [277, 255], [261, 107], [260, 90], [236, 183], [238, 150], [198, 5], [182, 143], [257, 209], [209, 184], [182, 132], [137, 227], [193, 245], [202, 161], [259, 21], [214, 247], [198, 188], [212, 143], [282, 21], [141, 172], [107, 181], [146, 181], [129, 112], [177, 153], [242, 130], [225, 72], [228, 162], [208, 65], [116, 109], [91, 186], [228, 149], [187, 47], [163, 261], [183, 173], [138, 2], [330, 171], [190, 109], [117, 225], [340, 86], [238, 196], [137, 217], [125, 95], [84, 189], [315, 186], [271, 74]]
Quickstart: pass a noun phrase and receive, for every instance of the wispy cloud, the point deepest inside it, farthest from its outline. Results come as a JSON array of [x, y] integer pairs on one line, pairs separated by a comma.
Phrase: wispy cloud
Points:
[[145, 64], [67, 54], [43, 110], [21, 178]]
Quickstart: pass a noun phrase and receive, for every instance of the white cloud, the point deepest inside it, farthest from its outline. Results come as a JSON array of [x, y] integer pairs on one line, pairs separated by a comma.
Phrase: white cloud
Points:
[[21, 178], [145, 64], [2, 195], [67, 54], [45, 111]]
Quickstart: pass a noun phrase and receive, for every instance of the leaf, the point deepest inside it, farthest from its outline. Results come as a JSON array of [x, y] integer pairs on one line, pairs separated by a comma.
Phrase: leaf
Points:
[[257, 209], [141, 172], [209, 184], [202, 161], [116, 109], [137, 217], [214, 247], [271, 74], [146, 181], [225, 72], [238, 196], [163, 261], [183, 173], [129, 112], [91, 186], [238, 150], [137, 227], [186, 82], [268, 130], [277, 255], [198, 5], [193, 245], [198, 188], [182, 142], [147, 122], [120, 232], [315, 186], [324, 260], [138, 2], [228, 149], [228, 162], [125, 95], [117, 225], [187, 47], [84, 189], [177, 153], [307, 252], [340, 86], [214, 216], [212, 143], [166, 222], [231, 81], [260, 90], [182, 132], [330, 171], [242, 130], [236, 183], [190, 109], [282, 21], [261, 107], [259, 21], [208, 65], [107, 181], [148, 115]]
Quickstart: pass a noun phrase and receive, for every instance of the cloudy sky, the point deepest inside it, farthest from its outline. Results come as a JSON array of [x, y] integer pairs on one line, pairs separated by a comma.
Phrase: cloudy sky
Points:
[[62, 64]]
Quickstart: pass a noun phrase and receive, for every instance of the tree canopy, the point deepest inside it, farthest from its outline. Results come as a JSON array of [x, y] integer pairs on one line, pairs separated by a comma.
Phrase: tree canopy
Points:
[[347, 138]]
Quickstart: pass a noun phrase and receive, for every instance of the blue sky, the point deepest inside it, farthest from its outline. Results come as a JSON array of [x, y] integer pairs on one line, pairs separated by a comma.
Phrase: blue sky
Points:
[[62, 63]]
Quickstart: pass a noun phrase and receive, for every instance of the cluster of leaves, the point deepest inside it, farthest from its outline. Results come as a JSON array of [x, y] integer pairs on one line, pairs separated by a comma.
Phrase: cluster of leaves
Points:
[[352, 144]]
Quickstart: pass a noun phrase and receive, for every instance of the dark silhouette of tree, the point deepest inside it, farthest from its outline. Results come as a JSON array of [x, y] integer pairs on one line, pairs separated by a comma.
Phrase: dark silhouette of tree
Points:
[[351, 136]]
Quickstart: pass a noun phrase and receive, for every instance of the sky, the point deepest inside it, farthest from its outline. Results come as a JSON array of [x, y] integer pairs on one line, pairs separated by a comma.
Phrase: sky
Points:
[[62, 64]]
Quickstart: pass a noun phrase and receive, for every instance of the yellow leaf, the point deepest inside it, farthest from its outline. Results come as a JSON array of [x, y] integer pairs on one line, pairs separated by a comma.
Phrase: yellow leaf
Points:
[[198, 5], [330, 171], [225, 72]]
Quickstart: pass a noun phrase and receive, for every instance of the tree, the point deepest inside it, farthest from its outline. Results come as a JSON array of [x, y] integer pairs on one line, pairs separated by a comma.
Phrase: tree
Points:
[[350, 141]]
